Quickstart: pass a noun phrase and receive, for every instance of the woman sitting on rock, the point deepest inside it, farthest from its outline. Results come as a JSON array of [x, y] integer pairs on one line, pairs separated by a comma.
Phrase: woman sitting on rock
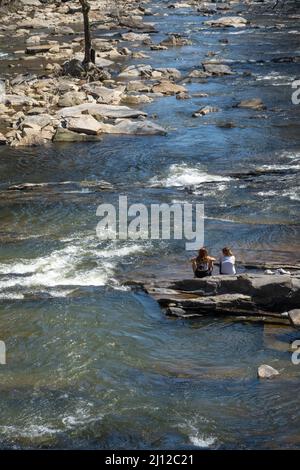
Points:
[[203, 264], [227, 262]]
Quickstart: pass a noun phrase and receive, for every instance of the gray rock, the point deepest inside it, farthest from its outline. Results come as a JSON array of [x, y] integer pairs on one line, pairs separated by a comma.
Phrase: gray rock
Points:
[[38, 49], [266, 372], [71, 98], [104, 95], [138, 25], [101, 110], [144, 127], [136, 71], [19, 100], [134, 36], [73, 67], [168, 88], [254, 103], [215, 68], [84, 124], [274, 293], [228, 21], [37, 121], [294, 316], [65, 135], [175, 41], [205, 110]]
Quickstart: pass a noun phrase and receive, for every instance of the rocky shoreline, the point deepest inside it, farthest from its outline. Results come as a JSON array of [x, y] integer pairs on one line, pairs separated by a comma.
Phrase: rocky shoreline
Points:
[[55, 101]]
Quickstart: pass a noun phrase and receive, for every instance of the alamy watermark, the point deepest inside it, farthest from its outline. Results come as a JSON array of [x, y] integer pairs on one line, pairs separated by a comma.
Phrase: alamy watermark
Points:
[[296, 93], [2, 91], [296, 354], [154, 222], [2, 353]]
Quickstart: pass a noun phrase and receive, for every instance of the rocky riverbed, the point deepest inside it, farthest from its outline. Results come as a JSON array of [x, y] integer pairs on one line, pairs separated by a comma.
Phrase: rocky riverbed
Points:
[[55, 100]]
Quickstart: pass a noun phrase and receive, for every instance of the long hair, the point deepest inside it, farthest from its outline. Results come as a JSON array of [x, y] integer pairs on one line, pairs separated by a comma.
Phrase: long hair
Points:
[[227, 251], [202, 255]]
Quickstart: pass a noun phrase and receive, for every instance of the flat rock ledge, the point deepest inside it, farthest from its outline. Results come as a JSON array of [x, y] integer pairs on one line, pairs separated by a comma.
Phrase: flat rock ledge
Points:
[[270, 298]]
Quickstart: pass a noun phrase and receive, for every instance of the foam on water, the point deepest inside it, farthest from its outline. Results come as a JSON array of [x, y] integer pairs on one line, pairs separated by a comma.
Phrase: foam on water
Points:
[[183, 176], [201, 441], [63, 267]]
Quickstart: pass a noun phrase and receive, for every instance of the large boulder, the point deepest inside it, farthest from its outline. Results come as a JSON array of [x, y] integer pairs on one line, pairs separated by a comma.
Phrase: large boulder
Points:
[[128, 127], [101, 110], [274, 293]]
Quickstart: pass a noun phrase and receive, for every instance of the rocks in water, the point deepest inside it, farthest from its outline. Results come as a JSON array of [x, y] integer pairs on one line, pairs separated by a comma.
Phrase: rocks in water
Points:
[[135, 24], [38, 48], [266, 372], [199, 74], [175, 40], [294, 316], [66, 135], [158, 47], [84, 124], [215, 68], [168, 88], [135, 37], [228, 21], [183, 95], [169, 73], [254, 103], [267, 295], [223, 303], [126, 126], [101, 110], [206, 110], [140, 128]]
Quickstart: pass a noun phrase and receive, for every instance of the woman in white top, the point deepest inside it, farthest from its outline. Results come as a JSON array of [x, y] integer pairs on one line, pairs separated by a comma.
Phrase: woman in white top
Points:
[[227, 262]]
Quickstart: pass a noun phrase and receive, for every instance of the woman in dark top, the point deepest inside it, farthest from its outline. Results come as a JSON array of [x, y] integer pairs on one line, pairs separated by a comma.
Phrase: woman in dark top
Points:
[[203, 264]]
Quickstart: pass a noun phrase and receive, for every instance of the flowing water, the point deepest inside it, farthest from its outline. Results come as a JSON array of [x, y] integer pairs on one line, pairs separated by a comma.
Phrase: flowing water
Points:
[[91, 364]]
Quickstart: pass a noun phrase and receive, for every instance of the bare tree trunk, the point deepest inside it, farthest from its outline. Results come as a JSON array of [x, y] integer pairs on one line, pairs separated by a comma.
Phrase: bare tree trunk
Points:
[[87, 33]]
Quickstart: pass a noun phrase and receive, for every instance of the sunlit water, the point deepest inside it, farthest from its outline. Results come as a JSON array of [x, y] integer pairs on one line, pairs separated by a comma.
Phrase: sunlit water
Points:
[[92, 364]]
